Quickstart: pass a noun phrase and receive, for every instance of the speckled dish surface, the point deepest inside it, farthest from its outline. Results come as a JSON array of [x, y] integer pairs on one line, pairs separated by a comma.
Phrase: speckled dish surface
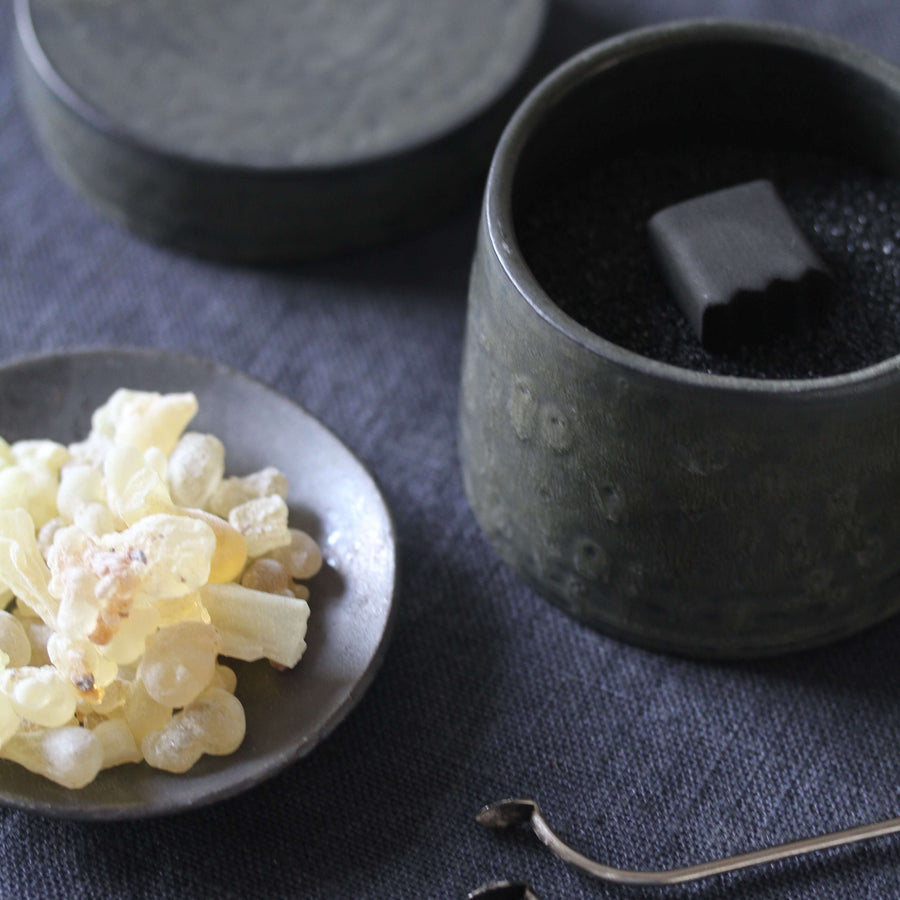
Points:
[[331, 496]]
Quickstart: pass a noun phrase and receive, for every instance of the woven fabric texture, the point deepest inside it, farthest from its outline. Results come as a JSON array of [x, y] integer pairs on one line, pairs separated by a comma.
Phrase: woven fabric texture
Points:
[[643, 760]]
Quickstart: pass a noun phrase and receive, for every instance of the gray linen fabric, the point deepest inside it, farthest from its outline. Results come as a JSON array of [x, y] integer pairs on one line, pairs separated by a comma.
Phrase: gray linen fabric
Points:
[[642, 759]]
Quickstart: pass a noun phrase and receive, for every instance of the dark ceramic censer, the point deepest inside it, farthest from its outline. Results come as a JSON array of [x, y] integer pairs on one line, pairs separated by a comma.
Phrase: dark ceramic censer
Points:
[[702, 513]]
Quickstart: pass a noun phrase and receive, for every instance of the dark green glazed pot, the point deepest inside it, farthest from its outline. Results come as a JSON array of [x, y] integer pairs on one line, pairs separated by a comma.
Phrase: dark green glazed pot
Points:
[[703, 514]]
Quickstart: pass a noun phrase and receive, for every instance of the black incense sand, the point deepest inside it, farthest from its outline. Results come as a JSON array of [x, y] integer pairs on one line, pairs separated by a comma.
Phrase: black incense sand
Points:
[[583, 233]]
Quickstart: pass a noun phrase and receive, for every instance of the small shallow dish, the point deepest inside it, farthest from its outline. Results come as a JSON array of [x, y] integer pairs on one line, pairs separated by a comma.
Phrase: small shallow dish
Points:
[[331, 495]]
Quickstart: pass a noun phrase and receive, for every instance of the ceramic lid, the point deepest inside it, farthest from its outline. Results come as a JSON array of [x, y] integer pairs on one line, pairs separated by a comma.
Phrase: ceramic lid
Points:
[[311, 92]]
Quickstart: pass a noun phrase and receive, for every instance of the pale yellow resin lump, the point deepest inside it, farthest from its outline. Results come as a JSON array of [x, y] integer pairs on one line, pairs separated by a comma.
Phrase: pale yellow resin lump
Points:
[[196, 468], [134, 486], [230, 555], [256, 625], [214, 723], [39, 694], [263, 522], [179, 662], [22, 568], [301, 557], [70, 756], [40, 452], [14, 640], [118, 743], [234, 491], [31, 488], [144, 419]]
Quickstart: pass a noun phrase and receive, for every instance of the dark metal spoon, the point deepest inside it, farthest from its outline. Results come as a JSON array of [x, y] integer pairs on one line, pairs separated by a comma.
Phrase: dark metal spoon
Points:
[[507, 813]]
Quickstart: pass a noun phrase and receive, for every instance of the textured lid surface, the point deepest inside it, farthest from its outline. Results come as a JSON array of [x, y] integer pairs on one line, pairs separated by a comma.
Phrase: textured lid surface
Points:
[[316, 89], [284, 83]]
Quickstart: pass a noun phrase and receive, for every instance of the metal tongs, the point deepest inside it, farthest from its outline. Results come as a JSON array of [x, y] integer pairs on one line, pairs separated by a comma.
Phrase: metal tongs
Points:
[[507, 813]]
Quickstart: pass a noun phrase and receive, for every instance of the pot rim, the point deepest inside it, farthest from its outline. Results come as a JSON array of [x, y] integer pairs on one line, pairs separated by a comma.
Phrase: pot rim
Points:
[[497, 216]]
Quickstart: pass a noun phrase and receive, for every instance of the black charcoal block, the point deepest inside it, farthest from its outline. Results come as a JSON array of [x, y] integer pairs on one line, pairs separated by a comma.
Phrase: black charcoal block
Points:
[[583, 231], [738, 265]]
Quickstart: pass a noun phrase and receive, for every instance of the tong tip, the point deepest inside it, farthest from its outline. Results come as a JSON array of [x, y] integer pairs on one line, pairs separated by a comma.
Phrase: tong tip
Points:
[[503, 890], [506, 813]]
